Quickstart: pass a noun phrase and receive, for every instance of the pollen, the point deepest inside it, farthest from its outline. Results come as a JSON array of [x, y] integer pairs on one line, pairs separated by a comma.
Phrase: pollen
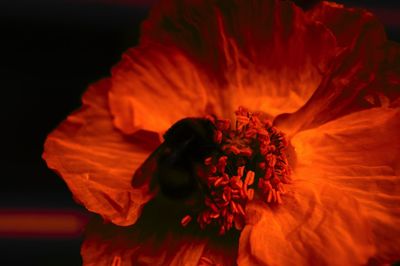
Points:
[[250, 163]]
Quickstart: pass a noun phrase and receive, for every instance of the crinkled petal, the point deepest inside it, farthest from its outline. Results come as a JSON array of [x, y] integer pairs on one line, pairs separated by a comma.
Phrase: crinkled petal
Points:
[[122, 248], [343, 206], [360, 155], [365, 73], [316, 225], [199, 57], [97, 162], [156, 239], [153, 87], [345, 23]]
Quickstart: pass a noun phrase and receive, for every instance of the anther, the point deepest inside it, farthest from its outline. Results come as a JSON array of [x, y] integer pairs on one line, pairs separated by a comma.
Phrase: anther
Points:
[[186, 220], [116, 261], [250, 162]]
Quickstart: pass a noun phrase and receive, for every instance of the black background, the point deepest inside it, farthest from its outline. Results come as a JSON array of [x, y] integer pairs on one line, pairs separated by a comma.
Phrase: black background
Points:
[[50, 51]]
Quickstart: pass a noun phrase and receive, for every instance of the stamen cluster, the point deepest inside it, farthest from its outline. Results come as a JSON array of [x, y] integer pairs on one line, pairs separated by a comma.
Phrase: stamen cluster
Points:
[[251, 162]]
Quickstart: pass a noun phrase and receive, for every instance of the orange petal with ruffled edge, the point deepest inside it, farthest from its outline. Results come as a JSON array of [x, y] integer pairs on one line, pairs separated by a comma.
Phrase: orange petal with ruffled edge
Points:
[[198, 57], [97, 162], [156, 239], [343, 205], [365, 73]]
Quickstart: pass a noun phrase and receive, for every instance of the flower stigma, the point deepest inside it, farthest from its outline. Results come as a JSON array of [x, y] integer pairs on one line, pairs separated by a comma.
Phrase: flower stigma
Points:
[[250, 161]]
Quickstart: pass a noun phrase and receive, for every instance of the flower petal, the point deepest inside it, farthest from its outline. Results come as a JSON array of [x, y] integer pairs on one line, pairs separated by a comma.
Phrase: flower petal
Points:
[[365, 73], [343, 207], [360, 155], [199, 57], [151, 242], [335, 16], [122, 247], [97, 162], [153, 87], [314, 226]]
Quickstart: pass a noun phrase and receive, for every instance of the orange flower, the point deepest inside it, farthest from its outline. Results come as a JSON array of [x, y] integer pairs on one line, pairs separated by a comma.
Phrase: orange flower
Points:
[[326, 77]]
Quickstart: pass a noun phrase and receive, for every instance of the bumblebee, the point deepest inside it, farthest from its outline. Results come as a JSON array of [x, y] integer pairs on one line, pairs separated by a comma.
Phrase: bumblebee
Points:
[[174, 166]]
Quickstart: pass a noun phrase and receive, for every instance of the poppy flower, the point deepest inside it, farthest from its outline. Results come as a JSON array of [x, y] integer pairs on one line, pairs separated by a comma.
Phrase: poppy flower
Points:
[[248, 132]]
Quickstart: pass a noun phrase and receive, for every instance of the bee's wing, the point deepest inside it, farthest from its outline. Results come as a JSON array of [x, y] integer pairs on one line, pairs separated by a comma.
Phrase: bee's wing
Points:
[[145, 173]]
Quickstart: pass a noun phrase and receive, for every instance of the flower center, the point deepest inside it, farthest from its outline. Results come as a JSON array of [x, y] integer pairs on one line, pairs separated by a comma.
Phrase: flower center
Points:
[[250, 162]]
